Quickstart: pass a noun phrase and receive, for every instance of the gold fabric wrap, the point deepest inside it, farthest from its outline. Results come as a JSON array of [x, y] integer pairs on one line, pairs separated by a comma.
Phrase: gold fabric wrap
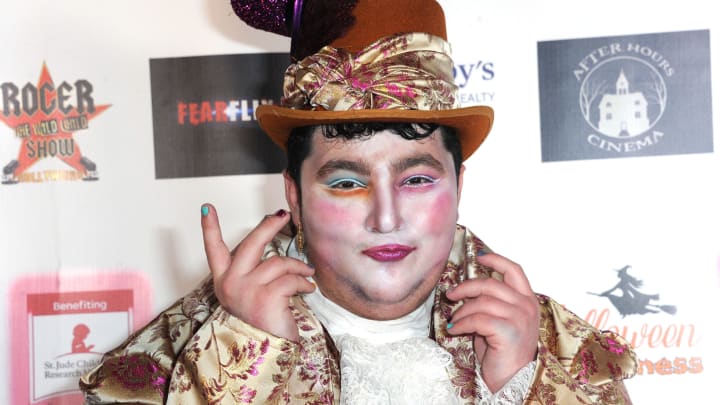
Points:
[[197, 353], [409, 71]]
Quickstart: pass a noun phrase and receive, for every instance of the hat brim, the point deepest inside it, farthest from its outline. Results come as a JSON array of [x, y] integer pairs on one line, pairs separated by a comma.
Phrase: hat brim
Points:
[[471, 123]]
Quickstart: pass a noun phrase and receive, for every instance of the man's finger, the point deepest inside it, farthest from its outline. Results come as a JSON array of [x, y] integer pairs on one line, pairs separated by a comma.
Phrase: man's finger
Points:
[[476, 323], [278, 266], [290, 285], [476, 287], [249, 253], [217, 253], [486, 305], [512, 273]]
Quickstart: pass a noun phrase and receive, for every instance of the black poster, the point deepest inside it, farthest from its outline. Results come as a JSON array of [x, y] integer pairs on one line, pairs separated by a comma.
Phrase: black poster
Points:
[[204, 114]]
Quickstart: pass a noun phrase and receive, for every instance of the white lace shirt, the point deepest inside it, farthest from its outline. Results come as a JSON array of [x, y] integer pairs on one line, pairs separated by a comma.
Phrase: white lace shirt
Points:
[[395, 362]]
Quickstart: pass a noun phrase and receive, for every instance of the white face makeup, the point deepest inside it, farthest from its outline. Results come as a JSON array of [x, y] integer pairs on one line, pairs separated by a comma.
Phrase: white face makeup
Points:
[[379, 218]]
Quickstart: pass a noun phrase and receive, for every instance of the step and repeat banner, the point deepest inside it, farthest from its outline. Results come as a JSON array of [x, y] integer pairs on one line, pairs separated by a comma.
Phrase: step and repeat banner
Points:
[[118, 120]]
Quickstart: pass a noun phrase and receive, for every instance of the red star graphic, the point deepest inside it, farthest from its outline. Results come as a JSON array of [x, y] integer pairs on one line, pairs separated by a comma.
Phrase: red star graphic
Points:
[[28, 154]]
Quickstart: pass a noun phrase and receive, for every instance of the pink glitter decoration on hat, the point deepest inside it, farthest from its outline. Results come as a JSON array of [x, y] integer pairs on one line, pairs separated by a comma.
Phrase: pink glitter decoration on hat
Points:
[[311, 24], [267, 15]]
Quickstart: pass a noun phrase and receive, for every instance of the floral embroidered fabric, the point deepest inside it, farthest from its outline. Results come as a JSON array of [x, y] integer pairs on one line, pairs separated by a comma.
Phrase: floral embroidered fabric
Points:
[[197, 353], [409, 71]]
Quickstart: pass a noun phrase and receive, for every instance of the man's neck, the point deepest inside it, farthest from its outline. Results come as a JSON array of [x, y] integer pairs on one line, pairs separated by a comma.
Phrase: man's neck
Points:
[[338, 321]]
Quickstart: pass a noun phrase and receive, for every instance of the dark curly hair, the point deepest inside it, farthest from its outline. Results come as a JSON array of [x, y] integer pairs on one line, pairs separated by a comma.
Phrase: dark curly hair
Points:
[[300, 141]]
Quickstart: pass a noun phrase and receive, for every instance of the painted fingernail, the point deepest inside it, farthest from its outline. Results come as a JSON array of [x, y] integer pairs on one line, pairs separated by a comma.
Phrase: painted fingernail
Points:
[[205, 210], [280, 213], [480, 252], [450, 325]]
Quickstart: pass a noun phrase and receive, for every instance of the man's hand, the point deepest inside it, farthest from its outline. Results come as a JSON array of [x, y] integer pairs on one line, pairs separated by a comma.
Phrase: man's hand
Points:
[[255, 290], [503, 317]]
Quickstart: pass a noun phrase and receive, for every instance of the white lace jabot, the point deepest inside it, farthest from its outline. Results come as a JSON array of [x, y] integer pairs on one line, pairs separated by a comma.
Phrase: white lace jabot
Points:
[[395, 362], [387, 362]]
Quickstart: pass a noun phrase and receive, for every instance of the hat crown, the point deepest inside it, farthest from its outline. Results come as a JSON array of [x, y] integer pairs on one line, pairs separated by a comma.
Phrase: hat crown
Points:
[[375, 19]]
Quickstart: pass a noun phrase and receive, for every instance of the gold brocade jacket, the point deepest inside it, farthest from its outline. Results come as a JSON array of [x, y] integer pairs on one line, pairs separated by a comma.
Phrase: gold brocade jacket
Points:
[[196, 353]]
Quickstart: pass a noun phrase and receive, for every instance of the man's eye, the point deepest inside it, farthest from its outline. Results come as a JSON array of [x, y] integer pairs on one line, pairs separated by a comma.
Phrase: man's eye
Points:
[[418, 181], [345, 184]]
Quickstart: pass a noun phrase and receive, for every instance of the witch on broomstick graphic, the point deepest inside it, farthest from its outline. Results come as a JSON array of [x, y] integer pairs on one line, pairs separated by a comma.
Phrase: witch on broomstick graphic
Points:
[[631, 300]]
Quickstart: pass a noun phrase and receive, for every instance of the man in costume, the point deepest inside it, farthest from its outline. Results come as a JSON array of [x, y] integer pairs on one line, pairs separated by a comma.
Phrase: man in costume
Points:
[[366, 291]]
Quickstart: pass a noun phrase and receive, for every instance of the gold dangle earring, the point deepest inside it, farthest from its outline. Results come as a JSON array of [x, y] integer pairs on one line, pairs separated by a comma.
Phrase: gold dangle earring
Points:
[[299, 238]]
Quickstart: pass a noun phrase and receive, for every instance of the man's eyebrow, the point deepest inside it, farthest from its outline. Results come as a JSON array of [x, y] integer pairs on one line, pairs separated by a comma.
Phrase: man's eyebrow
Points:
[[424, 159], [330, 166]]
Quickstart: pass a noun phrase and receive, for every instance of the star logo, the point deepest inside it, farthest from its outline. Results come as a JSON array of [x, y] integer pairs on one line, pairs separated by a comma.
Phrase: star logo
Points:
[[45, 117]]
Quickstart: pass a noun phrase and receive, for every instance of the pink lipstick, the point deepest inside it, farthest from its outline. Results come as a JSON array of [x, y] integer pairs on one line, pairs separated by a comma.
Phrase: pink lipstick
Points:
[[388, 253]]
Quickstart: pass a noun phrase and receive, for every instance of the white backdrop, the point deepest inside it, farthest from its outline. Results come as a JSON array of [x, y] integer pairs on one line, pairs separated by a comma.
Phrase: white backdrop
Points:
[[570, 224]]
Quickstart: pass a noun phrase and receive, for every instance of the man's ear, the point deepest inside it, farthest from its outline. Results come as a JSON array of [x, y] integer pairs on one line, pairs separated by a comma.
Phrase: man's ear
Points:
[[292, 195]]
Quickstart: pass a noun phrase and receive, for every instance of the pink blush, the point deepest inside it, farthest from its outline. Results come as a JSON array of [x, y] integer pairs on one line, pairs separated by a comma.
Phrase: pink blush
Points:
[[434, 212]]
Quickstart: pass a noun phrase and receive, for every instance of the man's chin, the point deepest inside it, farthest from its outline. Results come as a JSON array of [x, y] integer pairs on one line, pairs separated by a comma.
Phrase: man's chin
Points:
[[387, 304]]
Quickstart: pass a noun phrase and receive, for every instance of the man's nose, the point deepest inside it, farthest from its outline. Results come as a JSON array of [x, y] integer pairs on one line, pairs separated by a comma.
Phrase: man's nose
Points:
[[384, 215]]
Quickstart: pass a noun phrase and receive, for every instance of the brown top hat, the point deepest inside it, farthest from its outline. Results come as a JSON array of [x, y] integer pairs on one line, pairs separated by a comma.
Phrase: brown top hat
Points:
[[391, 64]]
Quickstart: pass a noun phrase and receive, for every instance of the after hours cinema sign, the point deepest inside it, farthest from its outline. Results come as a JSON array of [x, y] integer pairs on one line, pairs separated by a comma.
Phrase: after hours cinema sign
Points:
[[627, 96]]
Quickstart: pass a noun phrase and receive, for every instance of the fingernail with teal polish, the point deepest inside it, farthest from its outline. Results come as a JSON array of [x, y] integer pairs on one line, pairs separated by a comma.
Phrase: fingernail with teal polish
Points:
[[481, 253], [450, 325], [205, 210]]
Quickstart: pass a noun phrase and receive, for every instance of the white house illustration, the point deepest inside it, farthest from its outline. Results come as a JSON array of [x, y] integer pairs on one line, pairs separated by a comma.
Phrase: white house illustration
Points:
[[623, 113]]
